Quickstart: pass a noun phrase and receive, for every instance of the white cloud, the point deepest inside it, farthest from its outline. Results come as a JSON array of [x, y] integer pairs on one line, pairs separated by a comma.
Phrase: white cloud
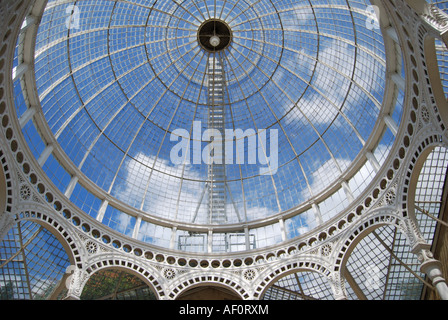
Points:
[[164, 197], [331, 83], [255, 213], [326, 174], [161, 196], [329, 86], [301, 224]]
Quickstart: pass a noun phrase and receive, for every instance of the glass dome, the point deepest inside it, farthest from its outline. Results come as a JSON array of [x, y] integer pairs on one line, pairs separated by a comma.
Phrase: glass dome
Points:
[[130, 93]]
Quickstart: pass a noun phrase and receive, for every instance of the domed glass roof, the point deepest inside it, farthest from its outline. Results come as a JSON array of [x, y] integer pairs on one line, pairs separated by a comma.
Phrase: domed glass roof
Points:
[[123, 83]]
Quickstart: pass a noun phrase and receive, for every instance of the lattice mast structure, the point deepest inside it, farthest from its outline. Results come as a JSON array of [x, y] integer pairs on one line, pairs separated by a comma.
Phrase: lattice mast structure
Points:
[[216, 173]]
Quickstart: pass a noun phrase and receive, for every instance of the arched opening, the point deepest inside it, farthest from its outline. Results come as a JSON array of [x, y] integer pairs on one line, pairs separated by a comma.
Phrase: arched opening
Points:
[[303, 285], [429, 188], [209, 292], [33, 263], [432, 48], [430, 206], [116, 284], [2, 190], [381, 267]]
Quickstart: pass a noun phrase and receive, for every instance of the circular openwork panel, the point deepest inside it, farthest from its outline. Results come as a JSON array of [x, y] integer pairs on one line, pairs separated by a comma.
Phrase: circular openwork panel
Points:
[[91, 247], [169, 273], [25, 192]]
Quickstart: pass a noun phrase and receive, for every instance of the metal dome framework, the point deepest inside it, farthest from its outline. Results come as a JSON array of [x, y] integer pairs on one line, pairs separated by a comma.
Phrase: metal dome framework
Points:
[[386, 205], [322, 182]]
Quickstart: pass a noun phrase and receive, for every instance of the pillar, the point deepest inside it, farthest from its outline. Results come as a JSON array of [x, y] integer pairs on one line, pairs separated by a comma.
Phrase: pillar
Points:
[[432, 268]]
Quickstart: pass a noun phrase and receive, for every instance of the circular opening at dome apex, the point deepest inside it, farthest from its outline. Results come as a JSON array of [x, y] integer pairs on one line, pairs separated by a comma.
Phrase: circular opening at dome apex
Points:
[[214, 35]]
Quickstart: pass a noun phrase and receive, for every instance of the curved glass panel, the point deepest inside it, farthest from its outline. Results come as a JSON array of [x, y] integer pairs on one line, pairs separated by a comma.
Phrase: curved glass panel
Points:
[[33, 263], [130, 95]]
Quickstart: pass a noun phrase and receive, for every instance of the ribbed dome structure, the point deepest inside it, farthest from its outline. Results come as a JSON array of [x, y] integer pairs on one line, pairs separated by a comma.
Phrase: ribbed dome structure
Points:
[[227, 149], [123, 80]]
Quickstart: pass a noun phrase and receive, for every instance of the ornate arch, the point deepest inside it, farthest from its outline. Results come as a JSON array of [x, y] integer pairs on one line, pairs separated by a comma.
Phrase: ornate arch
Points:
[[288, 267], [6, 196], [418, 155], [386, 216], [434, 27], [69, 240], [202, 280], [102, 262]]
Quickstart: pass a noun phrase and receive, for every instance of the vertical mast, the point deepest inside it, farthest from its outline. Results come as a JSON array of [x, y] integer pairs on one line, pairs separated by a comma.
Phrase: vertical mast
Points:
[[216, 120]]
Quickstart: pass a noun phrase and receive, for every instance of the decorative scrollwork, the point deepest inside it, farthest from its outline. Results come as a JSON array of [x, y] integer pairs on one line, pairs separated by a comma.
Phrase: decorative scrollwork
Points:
[[436, 17], [440, 17], [425, 255], [75, 280], [412, 232]]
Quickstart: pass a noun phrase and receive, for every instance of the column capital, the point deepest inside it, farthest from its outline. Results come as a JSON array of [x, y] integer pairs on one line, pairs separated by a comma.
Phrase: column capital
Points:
[[337, 284], [426, 258], [7, 221], [436, 18], [75, 282]]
